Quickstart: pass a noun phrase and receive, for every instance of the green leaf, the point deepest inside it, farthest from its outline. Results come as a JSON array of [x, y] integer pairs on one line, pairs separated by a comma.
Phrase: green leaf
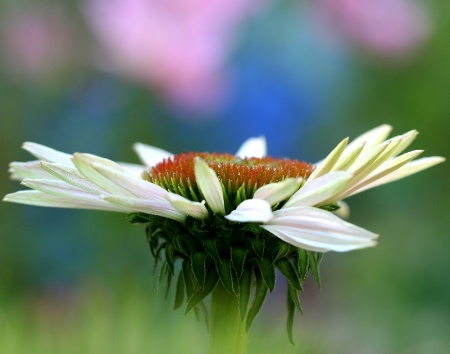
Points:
[[198, 261], [290, 318], [289, 272], [268, 272], [258, 301], [315, 267], [188, 278], [238, 256], [293, 293], [210, 247], [179, 292], [258, 246], [303, 264], [245, 285], [226, 275], [210, 283]]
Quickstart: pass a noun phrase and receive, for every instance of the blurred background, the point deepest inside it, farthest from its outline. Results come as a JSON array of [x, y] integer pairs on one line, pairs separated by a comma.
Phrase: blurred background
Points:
[[188, 75]]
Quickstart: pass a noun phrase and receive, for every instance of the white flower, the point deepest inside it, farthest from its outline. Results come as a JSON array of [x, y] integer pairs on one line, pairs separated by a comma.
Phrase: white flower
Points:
[[293, 208]]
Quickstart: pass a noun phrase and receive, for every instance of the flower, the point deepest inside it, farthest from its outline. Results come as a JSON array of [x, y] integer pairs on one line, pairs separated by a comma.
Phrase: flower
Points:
[[233, 218]]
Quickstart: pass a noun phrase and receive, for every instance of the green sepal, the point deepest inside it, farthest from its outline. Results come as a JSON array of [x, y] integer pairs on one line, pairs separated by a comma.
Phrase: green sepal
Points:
[[179, 291], [253, 227], [179, 243], [284, 249], [210, 247], [196, 227], [289, 272], [170, 257], [226, 275], [188, 278], [169, 278], [258, 246], [268, 272], [238, 256], [314, 263], [330, 207], [293, 293], [258, 301], [245, 286], [302, 263], [198, 262], [210, 283], [290, 318]]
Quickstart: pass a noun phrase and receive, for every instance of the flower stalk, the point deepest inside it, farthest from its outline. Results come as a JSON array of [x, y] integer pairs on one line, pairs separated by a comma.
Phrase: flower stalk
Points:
[[227, 329]]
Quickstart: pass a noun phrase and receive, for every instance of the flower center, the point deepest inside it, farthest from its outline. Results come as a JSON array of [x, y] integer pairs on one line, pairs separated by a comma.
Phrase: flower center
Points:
[[237, 175]]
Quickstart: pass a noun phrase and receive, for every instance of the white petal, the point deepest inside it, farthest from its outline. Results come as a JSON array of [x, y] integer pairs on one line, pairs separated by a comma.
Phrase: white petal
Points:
[[210, 186], [344, 210], [406, 140], [135, 170], [135, 185], [274, 193], [372, 138], [159, 208], [348, 158], [251, 210], [318, 230], [48, 200], [30, 169], [384, 170], [329, 162], [45, 153], [71, 176], [319, 190], [58, 187], [253, 147], [188, 207], [150, 155], [405, 171], [84, 164]]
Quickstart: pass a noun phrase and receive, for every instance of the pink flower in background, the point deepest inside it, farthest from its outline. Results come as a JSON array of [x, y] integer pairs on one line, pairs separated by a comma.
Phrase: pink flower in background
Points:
[[178, 46], [36, 42], [389, 28]]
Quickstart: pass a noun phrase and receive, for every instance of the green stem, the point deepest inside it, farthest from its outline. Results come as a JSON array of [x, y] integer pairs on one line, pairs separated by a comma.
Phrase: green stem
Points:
[[227, 331]]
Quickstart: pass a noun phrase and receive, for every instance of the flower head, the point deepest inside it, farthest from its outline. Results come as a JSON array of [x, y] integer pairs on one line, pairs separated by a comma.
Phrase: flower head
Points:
[[228, 218]]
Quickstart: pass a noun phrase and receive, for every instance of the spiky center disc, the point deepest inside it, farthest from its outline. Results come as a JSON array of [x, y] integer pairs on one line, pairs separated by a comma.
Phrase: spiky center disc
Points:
[[237, 175]]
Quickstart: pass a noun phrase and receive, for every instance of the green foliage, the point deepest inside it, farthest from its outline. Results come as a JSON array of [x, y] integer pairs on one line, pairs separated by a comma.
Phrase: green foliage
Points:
[[243, 258]]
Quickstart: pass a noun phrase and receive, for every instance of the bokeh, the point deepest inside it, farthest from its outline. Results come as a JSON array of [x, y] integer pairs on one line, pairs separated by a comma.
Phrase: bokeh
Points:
[[188, 75]]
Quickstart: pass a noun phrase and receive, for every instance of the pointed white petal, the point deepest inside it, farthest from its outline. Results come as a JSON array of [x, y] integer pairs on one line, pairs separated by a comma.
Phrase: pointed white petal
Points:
[[71, 176], [385, 169], [253, 147], [372, 138], [48, 200], [319, 190], [406, 140], [45, 153], [30, 169], [159, 208], [274, 193], [135, 170], [318, 230], [134, 185], [150, 155], [348, 158], [210, 186], [84, 164], [188, 207], [405, 171], [329, 162], [58, 187], [251, 210]]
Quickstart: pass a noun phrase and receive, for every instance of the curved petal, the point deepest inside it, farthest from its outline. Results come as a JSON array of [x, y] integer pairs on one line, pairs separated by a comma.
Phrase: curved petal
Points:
[[329, 162], [134, 185], [318, 230], [274, 193], [320, 190], [210, 186], [30, 169], [188, 207], [150, 155], [252, 210], [159, 208], [57, 201], [253, 147], [372, 138], [45, 153]]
